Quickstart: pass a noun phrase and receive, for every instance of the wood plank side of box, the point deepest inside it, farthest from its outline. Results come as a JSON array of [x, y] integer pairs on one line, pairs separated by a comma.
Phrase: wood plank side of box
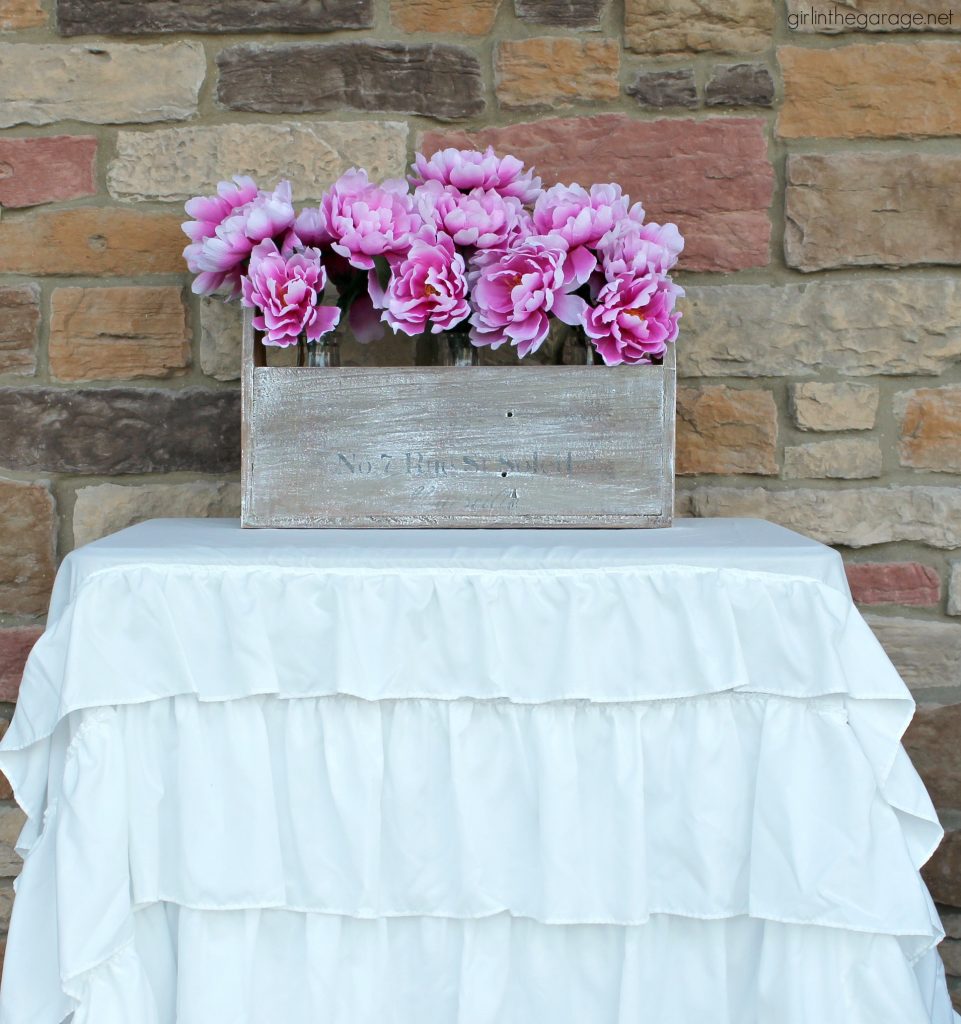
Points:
[[532, 446]]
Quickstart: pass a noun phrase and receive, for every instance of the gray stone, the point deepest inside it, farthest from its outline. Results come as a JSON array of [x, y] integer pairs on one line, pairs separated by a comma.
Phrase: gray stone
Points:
[[740, 85], [925, 652], [438, 80], [561, 13], [119, 430], [176, 163], [861, 327], [821, 406], [102, 83], [856, 516], [141, 17], [661, 89], [106, 508], [954, 589], [839, 459]]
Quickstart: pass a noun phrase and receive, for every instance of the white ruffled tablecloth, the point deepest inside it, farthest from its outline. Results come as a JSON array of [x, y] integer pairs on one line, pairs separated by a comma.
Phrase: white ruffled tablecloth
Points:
[[495, 777]]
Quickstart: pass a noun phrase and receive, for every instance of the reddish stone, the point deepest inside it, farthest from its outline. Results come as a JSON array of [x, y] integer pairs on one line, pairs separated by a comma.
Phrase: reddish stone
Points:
[[47, 169], [894, 583], [942, 873], [713, 177], [933, 741], [15, 644]]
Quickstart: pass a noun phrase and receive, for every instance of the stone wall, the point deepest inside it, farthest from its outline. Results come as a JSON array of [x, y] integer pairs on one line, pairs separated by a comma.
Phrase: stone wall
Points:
[[814, 170]]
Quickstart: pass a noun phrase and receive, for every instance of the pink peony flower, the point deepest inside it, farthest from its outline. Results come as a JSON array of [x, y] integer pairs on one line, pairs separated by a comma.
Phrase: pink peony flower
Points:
[[514, 295], [639, 249], [583, 218], [310, 227], [428, 287], [288, 291], [467, 169], [270, 214], [220, 258], [364, 220], [480, 218], [634, 319], [209, 212]]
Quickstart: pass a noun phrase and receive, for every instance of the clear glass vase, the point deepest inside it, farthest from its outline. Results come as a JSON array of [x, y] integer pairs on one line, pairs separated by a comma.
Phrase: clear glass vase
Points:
[[454, 349], [323, 352]]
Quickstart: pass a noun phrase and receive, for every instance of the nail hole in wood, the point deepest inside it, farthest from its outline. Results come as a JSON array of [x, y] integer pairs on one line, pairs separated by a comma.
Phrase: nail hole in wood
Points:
[[504, 473]]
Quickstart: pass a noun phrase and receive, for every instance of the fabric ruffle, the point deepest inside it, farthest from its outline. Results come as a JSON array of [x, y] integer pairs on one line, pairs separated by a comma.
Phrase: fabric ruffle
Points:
[[257, 967], [427, 758], [667, 632]]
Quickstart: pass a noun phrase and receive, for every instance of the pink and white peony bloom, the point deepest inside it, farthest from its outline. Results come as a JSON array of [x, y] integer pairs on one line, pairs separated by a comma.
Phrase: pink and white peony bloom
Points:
[[270, 214], [482, 219], [633, 320], [363, 220], [514, 295], [219, 259], [209, 213], [581, 217], [640, 249], [428, 288], [467, 169], [288, 292]]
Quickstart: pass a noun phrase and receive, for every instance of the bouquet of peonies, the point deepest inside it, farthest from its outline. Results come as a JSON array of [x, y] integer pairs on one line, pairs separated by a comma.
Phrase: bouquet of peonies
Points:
[[470, 243]]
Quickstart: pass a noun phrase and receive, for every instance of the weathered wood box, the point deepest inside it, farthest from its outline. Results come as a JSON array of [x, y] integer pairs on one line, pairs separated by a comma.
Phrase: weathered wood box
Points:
[[544, 446]]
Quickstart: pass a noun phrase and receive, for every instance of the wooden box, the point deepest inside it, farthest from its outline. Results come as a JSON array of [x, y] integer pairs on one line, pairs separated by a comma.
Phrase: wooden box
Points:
[[484, 446]]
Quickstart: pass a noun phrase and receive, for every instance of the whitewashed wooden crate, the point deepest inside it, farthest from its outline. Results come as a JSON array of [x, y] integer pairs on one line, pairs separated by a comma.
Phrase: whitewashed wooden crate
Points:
[[484, 446]]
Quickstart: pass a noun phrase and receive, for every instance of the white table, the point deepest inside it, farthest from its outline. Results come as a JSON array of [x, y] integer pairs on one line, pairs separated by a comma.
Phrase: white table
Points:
[[461, 777]]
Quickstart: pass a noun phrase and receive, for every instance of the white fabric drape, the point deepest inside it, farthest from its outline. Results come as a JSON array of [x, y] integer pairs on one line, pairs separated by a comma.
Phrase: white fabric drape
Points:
[[454, 778]]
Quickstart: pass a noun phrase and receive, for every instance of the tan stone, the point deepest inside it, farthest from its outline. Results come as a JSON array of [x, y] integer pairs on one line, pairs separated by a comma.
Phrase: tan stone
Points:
[[466, 17], [859, 327], [17, 14], [856, 517], [118, 333], [103, 509], [12, 820], [954, 591], [875, 90], [859, 209], [27, 547], [556, 71], [926, 653], [100, 83], [830, 17], [221, 324], [821, 406], [682, 27], [93, 241], [929, 420], [838, 459], [19, 328], [726, 431], [178, 163]]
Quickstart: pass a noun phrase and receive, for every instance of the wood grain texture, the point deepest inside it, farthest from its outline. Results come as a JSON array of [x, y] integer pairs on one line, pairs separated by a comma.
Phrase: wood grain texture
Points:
[[552, 446]]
